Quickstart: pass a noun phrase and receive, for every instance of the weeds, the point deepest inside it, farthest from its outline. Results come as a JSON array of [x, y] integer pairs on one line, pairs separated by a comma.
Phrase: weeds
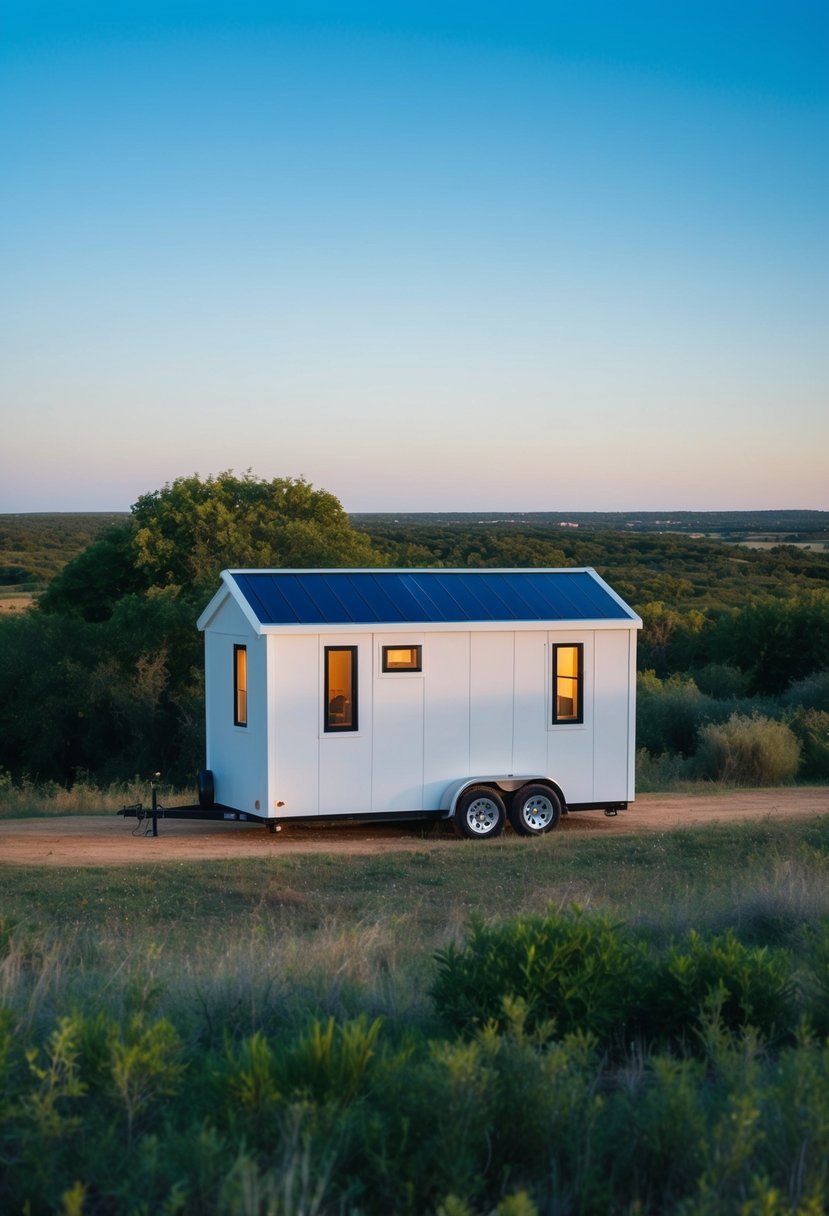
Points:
[[283, 1056], [28, 799]]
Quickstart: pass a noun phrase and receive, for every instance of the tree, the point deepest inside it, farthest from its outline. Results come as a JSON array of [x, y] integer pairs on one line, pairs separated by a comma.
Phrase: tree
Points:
[[92, 583], [188, 532], [181, 537], [776, 642], [107, 677]]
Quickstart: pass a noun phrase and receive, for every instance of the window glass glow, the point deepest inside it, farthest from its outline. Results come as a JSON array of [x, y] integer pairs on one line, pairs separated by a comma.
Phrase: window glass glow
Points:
[[567, 683]]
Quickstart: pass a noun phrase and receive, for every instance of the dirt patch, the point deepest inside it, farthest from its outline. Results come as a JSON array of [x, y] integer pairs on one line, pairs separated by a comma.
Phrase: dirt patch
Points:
[[89, 840]]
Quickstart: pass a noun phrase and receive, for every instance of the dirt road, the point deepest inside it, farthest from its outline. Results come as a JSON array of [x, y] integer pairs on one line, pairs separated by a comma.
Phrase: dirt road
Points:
[[88, 840]]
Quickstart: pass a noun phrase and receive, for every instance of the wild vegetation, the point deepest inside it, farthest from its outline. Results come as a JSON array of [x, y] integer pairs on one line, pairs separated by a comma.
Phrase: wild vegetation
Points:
[[36, 547], [527, 1028], [103, 680], [531, 1028]]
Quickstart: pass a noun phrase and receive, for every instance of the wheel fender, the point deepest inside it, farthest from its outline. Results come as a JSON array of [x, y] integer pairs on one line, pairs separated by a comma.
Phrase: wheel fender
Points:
[[506, 783]]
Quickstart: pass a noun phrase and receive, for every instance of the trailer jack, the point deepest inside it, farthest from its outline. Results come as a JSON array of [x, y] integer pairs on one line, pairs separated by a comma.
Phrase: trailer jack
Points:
[[217, 811]]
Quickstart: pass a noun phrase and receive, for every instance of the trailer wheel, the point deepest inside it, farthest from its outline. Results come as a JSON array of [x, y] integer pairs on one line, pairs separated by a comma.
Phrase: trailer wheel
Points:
[[206, 788], [480, 813], [535, 809]]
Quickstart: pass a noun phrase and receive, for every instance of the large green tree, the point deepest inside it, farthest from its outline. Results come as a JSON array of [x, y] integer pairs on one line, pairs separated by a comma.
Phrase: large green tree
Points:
[[180, 537], [107, 676]]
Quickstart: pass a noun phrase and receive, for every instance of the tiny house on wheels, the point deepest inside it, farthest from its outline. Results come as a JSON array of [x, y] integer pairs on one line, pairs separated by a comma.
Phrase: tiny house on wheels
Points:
[[473, 695]]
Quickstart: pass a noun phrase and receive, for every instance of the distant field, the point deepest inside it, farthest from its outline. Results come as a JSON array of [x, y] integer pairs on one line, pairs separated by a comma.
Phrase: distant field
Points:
[[35, 547], [16, 603]]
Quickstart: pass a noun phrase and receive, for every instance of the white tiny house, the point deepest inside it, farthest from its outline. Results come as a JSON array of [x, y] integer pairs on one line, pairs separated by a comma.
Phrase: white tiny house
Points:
[[468, 694]]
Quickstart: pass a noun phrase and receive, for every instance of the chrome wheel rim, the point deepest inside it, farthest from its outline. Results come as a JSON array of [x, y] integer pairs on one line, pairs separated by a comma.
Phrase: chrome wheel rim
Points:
[[537, 813], [482, 816]]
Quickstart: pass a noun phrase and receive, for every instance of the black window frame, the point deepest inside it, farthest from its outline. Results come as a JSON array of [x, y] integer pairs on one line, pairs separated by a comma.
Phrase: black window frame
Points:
[[335, 728], [393, 671], [237, 719], [577, 718]]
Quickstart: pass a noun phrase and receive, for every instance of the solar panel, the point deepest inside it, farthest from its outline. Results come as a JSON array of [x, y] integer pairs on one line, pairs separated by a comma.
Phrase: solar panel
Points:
[[375, 597]]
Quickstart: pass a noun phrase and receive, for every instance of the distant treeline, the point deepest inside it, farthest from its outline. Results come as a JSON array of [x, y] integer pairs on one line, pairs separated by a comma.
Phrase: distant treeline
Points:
[[35, 547], [788, 525]]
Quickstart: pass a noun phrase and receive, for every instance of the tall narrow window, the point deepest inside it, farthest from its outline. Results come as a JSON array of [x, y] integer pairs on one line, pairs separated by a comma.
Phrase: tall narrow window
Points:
[[568, 683], [240, 685], [340, 688]]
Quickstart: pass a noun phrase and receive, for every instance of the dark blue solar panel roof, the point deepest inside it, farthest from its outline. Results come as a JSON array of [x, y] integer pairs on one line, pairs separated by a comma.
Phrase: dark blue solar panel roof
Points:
[[389, 597]]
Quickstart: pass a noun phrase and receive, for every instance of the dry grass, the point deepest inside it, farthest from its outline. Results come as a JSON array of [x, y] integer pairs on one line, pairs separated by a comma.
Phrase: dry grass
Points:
[[41, 799], [16, 603]]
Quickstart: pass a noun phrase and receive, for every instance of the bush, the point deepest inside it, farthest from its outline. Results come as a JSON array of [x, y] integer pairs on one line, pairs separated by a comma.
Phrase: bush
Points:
[[811, 693], [656, 773], [669, 713], [571, 972], [741, 985], [811, 729], [721, 680], [748, 751]]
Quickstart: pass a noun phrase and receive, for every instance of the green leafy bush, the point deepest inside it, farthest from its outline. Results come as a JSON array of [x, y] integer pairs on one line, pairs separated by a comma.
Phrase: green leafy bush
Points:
[[721, 680], [748, 751], [744, 985], [670, 713], [578, 972], [811, 729], [810, 693]]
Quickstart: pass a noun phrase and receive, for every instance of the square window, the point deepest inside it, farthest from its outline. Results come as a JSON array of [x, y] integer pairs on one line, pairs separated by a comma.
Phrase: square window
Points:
[[402, 658]]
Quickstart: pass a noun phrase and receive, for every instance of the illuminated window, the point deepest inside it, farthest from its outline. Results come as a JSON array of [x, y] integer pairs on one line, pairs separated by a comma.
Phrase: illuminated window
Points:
[[340, 688], [240, 685], [402, 658], [568, 683]]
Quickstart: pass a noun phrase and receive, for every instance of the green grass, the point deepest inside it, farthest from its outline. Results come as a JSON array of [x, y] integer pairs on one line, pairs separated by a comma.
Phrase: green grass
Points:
[[673, 879], [177, 1020]]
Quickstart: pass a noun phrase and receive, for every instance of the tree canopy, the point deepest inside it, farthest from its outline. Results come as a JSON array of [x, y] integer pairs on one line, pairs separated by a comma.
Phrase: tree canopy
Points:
[[180, 538], [113, 662]]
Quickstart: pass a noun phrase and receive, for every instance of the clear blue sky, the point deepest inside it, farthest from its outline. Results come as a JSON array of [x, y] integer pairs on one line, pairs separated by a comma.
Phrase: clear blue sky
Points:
[[458, 256]]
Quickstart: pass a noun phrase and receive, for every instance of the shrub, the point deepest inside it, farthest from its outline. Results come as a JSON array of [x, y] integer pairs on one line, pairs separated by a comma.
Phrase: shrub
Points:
[[577, 972], [748, 751], [669, 713], [721, 680], [744, 986], [655, 773], [811, 692], [811, 729]]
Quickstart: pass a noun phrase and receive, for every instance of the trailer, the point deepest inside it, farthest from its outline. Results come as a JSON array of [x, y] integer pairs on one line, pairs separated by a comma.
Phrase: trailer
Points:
[[479, 696]]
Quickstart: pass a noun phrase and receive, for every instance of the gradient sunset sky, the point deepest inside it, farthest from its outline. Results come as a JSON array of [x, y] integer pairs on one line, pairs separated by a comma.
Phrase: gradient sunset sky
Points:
[[452, 256]]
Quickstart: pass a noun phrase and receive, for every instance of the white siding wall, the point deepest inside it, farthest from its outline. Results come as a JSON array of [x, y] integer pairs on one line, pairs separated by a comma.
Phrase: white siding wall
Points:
[[237, 755], [570, 748], [446, 714], [296, 696], [482, 705], [611, 723], [491, 702], [345, 757], [397, 752], [532, 705]]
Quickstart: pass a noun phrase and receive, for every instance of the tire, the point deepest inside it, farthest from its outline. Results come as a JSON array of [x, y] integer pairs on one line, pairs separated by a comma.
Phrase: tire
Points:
[[206, 788], [480, 813], [534, 810]]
